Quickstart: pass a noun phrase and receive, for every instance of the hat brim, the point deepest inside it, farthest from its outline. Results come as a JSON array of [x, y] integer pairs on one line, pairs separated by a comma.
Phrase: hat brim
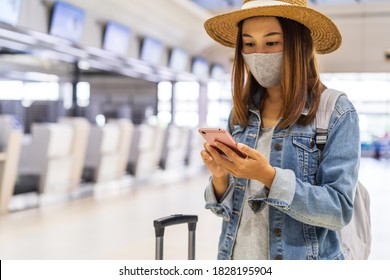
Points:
[[326, 36]]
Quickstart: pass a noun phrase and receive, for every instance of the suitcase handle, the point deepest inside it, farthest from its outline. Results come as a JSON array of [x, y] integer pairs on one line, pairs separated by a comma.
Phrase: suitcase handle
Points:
[[162, 223]]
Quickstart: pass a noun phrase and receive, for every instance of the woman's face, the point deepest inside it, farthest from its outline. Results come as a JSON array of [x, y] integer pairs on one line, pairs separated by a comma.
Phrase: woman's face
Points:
[[262, 35]]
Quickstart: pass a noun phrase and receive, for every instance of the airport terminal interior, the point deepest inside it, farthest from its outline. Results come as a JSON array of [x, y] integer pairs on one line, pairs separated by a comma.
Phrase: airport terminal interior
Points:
[[100, 105]]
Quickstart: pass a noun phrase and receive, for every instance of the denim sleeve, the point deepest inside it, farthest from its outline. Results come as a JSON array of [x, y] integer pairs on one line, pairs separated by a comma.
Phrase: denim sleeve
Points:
[[223, 207], [330, 203]]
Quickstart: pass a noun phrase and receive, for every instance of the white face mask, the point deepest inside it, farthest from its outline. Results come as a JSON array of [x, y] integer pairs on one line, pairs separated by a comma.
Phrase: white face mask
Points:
[[265, 67]]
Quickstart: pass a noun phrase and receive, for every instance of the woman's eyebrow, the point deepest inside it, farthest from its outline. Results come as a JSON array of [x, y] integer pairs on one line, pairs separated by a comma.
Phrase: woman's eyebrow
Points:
[[272, 34], [266, 35]]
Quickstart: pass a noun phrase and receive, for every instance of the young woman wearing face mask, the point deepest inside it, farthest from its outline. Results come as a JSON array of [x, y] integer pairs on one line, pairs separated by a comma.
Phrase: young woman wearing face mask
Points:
[[282, 201]]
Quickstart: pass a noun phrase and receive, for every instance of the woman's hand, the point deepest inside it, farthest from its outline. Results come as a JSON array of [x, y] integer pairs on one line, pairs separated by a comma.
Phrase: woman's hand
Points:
[[211, 159], [254, 166], [220, 181]]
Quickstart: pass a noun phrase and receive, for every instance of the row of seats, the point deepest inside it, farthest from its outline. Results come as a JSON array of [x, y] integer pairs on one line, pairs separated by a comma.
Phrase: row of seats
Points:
[[58, 157]]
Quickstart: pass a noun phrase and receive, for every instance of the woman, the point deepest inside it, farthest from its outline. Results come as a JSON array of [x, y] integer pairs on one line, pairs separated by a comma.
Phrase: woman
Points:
[[282, 201]]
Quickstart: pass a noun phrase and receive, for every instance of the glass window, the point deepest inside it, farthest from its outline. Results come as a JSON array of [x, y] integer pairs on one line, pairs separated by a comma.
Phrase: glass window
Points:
[[11, 90], [165, 91], [164, 105], [83, 94], [187, 91], [219, 100], [17, 90], [187, 104]]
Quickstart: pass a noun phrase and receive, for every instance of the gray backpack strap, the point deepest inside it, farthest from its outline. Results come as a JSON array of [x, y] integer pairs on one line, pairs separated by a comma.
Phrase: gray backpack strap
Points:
[[328, 100]]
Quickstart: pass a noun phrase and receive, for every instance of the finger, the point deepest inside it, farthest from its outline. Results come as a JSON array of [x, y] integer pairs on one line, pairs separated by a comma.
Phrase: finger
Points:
[[213, 159], [245, 149], [229, 152], [205, 156], [214, 153], [208, 147], [226, 160]]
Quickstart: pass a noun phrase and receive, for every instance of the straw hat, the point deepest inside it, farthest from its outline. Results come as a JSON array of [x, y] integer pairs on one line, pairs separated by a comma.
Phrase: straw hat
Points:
[[325, 34]]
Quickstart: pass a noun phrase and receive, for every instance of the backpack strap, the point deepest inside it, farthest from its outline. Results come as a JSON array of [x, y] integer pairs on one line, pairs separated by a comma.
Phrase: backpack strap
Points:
[[328, 100]]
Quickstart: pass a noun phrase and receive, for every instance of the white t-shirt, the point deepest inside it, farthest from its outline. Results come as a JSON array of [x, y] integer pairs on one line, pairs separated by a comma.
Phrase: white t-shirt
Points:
[[252, 241]]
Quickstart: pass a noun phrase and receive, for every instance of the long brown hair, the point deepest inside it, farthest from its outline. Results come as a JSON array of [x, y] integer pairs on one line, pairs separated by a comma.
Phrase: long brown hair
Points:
[[301, 85]]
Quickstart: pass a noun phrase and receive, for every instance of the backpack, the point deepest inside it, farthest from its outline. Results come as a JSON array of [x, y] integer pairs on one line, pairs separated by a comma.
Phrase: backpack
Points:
[[355, 237]]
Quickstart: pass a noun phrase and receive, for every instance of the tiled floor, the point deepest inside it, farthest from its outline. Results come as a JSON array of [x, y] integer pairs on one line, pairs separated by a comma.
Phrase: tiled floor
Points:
[[375, 175], [117, 223]]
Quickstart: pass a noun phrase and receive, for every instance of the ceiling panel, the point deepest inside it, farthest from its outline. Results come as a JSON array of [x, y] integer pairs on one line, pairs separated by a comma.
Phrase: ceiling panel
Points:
[[337, 2], [216, 5]]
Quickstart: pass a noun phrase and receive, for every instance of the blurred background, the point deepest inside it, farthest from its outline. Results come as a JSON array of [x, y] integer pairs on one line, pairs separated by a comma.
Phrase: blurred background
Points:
[[100, 101]]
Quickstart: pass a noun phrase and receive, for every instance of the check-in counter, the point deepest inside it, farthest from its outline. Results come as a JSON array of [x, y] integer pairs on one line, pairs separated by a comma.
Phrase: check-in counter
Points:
[[10, 142], [125, 138], [102, 159], [81, 130], [175, 146], [45, 164], [145, 150], [195, 145]]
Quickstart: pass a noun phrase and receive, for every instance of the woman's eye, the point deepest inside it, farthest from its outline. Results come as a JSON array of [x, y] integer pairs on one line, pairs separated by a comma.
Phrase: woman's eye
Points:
[[249, 44], [270, 44]]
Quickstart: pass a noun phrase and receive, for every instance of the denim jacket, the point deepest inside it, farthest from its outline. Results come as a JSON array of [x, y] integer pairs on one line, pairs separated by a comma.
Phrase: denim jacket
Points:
[[310, 199]]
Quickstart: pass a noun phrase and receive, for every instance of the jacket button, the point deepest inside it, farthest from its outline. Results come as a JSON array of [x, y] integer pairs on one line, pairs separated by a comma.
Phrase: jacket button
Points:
[[277, 232], [278, 257], [312, 144], [255, 206], [278, 147]]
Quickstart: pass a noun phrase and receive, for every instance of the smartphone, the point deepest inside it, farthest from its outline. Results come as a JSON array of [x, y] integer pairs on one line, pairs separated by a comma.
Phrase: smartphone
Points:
[[212, 135]]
